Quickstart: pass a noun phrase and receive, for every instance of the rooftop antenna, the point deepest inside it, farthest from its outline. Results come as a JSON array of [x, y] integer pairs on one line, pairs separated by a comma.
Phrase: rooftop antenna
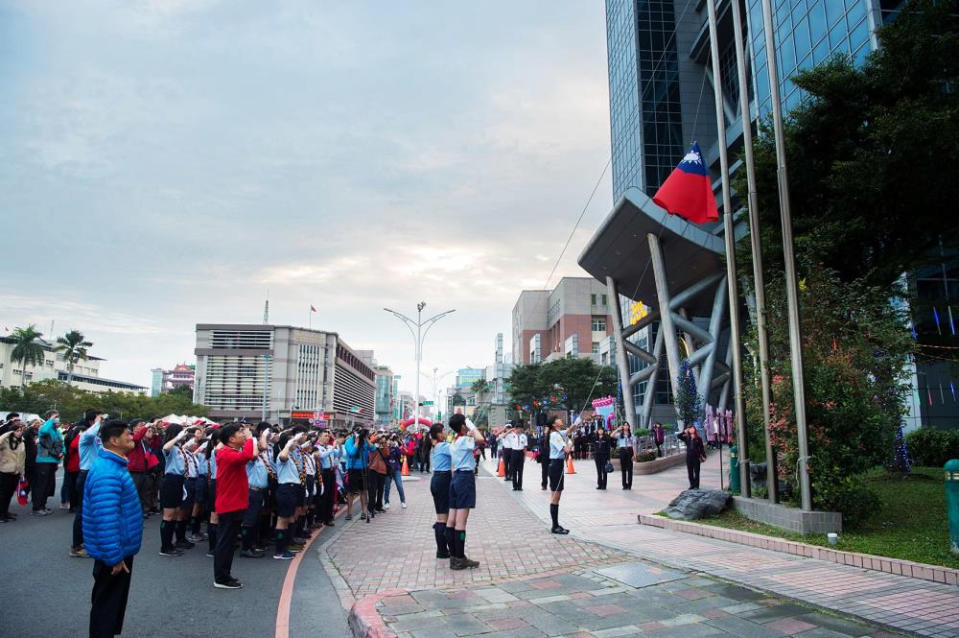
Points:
[[266, 309]]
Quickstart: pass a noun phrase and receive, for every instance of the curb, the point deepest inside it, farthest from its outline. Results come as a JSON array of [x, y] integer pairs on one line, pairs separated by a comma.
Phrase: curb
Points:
[[895, 566], [365, 621]]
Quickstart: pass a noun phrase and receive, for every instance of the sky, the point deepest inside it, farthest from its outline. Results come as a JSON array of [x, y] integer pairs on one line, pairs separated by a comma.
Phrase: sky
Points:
[[172, 162]]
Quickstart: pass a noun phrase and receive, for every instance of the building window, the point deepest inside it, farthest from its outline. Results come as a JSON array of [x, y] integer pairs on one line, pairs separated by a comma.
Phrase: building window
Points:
[[592, 300], [595, 347], [599, 324], [604, 300]]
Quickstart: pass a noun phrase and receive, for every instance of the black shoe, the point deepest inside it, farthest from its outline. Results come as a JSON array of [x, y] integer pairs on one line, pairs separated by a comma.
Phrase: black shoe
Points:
[[228, 584], [330, 523], [185, 544], [442, 554], [173, 551], [559, 530], [251, 553]]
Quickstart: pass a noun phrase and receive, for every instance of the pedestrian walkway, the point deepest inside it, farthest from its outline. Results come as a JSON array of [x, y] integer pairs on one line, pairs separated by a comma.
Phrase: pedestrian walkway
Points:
[[610, 518]]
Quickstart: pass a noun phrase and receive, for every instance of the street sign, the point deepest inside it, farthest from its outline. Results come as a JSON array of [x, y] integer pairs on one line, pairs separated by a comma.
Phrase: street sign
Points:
[[427, 403], [356, 409]]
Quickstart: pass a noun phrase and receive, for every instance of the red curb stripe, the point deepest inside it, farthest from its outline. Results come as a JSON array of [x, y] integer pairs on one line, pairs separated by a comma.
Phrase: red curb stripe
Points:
[[365, 621]]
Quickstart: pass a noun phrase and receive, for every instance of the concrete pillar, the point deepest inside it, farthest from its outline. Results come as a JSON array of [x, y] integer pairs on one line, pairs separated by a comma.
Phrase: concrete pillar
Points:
[[622, 360]]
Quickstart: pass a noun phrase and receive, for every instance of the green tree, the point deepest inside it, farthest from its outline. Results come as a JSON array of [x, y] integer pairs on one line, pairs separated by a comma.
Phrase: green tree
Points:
[[526, 385], [75, 348], [27, 350], [869, 152], [579, 379]]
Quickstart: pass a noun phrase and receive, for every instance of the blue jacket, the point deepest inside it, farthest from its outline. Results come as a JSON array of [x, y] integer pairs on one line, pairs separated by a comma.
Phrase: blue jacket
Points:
[[357, 459], [112, 516]]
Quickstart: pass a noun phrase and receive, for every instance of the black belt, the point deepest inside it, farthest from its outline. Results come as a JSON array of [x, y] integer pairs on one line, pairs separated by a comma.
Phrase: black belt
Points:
[[464, 471], [445, 471], [257, 489]]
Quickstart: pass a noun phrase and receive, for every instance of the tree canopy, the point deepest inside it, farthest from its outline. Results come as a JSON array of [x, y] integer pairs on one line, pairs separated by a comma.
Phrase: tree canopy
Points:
[[567, 383]]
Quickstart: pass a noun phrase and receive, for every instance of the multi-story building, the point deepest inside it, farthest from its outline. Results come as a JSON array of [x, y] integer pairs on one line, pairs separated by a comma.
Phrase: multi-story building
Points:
[[385, 396], [86, 373], [281, 374], [181, 375], [661, 97], [570, 320]]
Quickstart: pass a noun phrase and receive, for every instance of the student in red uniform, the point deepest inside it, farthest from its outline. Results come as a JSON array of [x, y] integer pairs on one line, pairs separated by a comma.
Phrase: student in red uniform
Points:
[[232, 498]]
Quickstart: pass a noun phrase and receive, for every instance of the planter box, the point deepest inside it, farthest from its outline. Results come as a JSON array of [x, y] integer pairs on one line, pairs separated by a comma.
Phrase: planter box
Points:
[[660, 464], [788, 518]]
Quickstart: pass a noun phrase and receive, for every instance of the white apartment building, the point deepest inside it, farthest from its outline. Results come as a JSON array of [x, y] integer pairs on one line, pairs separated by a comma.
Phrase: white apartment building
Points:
[[86, 373], [282, 374]]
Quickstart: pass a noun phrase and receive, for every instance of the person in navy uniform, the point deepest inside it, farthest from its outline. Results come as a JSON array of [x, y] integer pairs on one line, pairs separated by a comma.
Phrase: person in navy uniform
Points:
[[440, 488], [462, 489]]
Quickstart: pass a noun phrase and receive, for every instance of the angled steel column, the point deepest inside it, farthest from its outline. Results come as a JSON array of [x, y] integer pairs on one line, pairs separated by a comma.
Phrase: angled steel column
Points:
[[734, 342], [792, 296], [758, 279], [651, 382], [622, 360], [666, 318], [715, 322]]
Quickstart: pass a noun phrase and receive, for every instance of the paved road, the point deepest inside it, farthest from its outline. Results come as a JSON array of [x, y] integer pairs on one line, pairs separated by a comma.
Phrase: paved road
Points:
[[49, 592]]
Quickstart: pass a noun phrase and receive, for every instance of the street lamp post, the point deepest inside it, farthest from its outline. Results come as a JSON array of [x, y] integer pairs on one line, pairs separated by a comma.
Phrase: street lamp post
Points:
[[418, 336]]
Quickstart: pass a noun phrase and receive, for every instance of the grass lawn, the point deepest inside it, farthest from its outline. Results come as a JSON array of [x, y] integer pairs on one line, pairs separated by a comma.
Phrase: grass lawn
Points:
[[911, 524]]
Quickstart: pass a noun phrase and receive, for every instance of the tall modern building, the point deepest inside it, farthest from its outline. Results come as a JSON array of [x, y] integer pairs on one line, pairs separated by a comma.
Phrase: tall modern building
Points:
[[385, 397], [661, 91], [572, 319], [282, 374]]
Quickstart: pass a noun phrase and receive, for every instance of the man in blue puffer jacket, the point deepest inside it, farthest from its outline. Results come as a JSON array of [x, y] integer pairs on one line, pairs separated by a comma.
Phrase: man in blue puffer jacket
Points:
[[112, 528]]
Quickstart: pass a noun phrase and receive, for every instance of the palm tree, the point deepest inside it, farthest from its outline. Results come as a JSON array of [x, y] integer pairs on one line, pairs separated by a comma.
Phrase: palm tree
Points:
[[27, 351], [74, 349]]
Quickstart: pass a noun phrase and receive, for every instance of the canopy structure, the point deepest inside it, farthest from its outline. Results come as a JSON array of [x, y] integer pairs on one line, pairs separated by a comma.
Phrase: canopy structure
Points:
[[676, 268]]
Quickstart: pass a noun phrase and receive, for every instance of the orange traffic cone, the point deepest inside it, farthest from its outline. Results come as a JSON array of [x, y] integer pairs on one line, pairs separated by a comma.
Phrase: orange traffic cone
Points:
[[406, 468], [502, 468], [569, 465]]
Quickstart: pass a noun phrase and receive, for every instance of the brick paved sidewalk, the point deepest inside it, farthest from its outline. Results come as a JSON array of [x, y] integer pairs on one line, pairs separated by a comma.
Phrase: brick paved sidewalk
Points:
[[629, 599], [609, 517]]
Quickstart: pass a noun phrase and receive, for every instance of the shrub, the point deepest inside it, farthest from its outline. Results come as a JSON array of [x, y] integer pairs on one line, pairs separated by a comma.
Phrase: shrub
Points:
[[931, 447], [850, 496], [644, 457], [641, 432]]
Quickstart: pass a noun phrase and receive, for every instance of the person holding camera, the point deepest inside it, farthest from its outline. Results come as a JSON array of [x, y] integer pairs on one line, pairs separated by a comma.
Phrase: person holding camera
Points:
[[377, 477], [232, 498], [624, 449], [49, 455], [394, 473], [357, 450], [13, 457], [462, 489]]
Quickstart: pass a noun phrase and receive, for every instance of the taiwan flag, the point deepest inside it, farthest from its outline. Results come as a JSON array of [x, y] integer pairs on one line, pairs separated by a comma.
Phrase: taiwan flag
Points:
[[688, 191]]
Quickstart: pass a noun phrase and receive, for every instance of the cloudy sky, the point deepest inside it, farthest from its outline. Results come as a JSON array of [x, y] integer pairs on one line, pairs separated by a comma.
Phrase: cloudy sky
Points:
[[169, 162]]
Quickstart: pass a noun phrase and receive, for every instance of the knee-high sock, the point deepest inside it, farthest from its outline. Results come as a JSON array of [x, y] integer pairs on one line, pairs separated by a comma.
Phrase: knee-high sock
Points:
[[211, 535], [246, 533], [195, 525], [461, 542], [180, 531], [166, 534], [282, 541], [439, 531], [450, 535], [554, 513]]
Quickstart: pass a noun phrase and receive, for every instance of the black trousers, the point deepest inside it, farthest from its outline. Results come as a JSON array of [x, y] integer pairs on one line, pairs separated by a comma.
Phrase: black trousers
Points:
[[601, 475], [226, 532], [544, 465], [8, 487], [145, 482], [508, 463], [329, 494], [44, 478], [108, 603], [692, 469], [626, 466], [78, 516], [375, 482], [73, 492], [517, 461]]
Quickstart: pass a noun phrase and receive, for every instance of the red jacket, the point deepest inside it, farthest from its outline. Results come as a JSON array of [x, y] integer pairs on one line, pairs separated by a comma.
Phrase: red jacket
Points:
[[232, 486], [141, 458], [73, 454]]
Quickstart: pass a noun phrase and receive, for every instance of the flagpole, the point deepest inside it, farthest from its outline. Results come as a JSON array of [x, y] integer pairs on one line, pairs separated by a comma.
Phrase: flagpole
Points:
[[757, 257], [792, 296], [733, 292]]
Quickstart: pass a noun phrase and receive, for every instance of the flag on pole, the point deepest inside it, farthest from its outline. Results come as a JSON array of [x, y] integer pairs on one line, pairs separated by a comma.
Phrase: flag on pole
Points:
[[688, 191], [312, 308]]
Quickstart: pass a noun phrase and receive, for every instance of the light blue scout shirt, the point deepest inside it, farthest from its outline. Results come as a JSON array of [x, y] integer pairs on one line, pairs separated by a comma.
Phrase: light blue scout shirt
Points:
[[442, 462], [189, 459], [89, 446], [327, 456], [256, 473], [623, 441], [461, 453], [202, 464], [557, 445], [213, 465], [287, 471], [174, 461]]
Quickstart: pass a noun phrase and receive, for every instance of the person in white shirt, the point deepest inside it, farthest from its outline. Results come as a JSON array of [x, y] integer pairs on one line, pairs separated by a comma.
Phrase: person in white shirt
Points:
[[518, 455], [560, 445], [506, 446]]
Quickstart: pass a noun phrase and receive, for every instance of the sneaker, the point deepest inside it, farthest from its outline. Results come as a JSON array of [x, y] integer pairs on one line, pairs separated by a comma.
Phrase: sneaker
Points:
[[284, 556], [403, 504], [348, 517], [78, 552], [64, 506], [48, 510], [197, 538], [173, 551], [330, 523], [210, 555], [229, 584], [457, 563], [386, 506], [185, 544], [363, 516], [295, 547], [299, 540], [41, 512], [469, 564], [251, 553], [559, 530]]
